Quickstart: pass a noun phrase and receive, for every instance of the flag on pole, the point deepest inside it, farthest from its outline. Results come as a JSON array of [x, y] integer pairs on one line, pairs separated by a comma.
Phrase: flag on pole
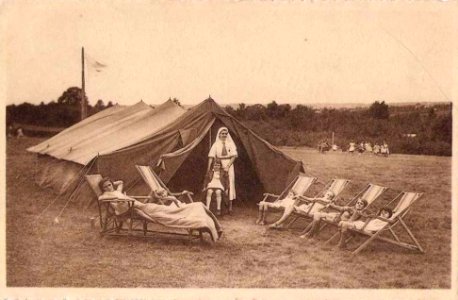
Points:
[[94, 65]]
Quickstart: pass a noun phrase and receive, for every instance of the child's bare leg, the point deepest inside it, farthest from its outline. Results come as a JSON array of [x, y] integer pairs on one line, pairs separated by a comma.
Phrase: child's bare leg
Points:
[[260, 212], [288, 211], [343, 235], [209, 197], [314, 227], [218, 201]]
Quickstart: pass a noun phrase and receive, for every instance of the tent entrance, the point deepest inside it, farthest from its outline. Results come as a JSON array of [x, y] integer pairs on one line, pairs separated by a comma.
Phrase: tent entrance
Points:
[[190, 175]]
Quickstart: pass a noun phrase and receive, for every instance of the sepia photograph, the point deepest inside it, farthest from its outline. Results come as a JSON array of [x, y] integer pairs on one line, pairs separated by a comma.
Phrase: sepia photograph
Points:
[[228, 150]]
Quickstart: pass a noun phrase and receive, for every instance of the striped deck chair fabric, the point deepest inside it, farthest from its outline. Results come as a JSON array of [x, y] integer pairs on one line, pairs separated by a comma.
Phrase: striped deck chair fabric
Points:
[[299, 186], [374, 227], [372, 192], [336, 186], [302, 184]]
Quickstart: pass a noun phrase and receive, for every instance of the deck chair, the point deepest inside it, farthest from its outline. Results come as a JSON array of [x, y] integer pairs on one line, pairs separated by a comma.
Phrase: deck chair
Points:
[[112, 224], [336, 186], [109, 222], [155, 183], [405, 201], [370, 193], [299, 185]]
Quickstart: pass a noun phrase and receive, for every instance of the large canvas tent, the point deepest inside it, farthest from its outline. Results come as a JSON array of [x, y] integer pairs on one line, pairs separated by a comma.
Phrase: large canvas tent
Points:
[[179, 153], [64, 157]]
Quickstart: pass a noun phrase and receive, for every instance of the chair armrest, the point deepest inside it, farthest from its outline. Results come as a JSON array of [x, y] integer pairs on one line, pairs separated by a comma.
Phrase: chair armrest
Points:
[[140, 197], [267, 195], [182, 193], [117, 201], [385, 220], [301, 198], [321, 202], [270, 195]]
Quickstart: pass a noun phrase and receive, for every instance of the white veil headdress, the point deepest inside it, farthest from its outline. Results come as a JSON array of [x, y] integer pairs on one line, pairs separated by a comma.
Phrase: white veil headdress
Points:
[[230, 145]]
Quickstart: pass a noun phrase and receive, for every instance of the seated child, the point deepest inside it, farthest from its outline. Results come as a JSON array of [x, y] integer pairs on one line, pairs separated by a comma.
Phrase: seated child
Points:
[[373, 225], [216, 182], [161, 194], [343, 213], [314, 205], [287, 201]]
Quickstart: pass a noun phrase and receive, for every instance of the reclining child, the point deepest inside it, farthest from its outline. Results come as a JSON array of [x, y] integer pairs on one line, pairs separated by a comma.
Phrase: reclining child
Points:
[[376, 223], [312, 206], [342, 213], [287, 201]]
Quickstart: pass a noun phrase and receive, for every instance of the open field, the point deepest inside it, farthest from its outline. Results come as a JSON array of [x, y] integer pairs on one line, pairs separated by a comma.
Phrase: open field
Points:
[[72, 254]]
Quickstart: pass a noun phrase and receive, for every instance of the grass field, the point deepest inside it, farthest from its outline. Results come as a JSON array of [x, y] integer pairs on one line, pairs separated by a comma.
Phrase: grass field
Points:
[[72, 254]]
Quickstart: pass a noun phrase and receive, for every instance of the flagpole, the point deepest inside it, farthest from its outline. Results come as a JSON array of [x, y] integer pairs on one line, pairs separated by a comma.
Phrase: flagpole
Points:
[[83, 88]]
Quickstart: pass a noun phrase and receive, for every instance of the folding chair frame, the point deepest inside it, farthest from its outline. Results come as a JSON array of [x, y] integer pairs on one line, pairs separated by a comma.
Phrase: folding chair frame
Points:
[[390, 224], [362, 192], [298, 215], [268, 197], [112, 224], [141, 169]]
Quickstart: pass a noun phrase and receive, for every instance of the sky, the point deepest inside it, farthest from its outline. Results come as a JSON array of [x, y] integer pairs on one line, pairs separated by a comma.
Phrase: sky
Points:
[[250, 52]]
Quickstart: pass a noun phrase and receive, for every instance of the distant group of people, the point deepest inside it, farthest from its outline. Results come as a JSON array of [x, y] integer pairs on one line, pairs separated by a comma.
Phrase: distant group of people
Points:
[[11, 131], [377, 149], [360, 147]]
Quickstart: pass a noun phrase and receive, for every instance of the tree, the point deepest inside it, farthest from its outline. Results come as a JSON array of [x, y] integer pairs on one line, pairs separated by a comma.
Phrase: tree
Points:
[[272, 109], [99, 105], [176, 101], [442, 128], [379, 110], [255, 112], [72, 97], [301, 117], [241, 110], [230, 110]]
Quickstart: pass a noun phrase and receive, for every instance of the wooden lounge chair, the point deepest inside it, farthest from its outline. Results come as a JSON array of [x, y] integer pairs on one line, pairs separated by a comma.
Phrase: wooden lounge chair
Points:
[[405, 201], [112, 224], [370, 193], [336, 186], [109, 222], [299, 186], [155, 183]]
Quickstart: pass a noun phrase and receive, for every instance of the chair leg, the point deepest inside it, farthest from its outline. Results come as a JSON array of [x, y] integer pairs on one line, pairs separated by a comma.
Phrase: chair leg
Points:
[[145, 227], [332, 237], [131, 221], [367, 242], [411, 236], [306, 228], [293, 220], [117, 225]]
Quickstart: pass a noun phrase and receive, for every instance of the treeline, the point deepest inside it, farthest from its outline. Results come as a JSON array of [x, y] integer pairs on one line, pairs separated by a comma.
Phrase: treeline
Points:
[[410, 129], [64, 112]]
